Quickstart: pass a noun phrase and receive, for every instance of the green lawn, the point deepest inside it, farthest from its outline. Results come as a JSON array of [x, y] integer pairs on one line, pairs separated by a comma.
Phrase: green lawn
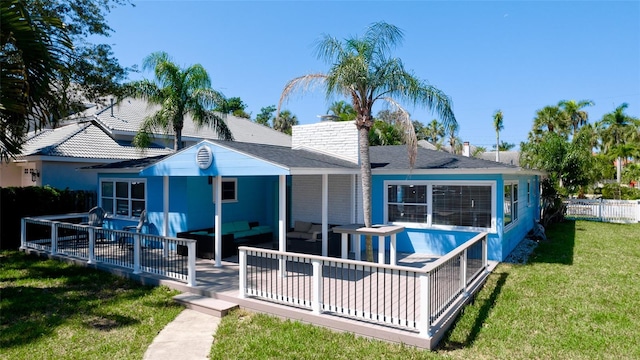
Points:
[[578, 298], [52, 310]]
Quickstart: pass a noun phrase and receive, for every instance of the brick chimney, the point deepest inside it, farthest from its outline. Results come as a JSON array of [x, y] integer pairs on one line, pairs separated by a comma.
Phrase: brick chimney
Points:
[[336, 138]]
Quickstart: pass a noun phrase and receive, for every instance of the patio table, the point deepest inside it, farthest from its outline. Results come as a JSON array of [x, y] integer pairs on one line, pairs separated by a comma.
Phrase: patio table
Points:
[[381, 231]]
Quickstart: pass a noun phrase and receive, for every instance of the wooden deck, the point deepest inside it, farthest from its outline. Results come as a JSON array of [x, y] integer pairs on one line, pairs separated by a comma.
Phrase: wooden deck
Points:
[[223, 283]]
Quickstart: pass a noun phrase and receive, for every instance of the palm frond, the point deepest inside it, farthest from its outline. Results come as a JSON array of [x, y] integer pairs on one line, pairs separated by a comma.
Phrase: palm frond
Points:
[[405, 125], [302, 83]]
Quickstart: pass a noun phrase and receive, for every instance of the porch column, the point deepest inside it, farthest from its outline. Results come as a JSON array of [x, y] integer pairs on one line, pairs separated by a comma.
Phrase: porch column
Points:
[[165, 211], [218, 221], [282, 222], [325, 214]]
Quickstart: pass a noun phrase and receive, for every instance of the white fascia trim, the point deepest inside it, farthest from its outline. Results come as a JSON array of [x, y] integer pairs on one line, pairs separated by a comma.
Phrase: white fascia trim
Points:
[[71, 159]]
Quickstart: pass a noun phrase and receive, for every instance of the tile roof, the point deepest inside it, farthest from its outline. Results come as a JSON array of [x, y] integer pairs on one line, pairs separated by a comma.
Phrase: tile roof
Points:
[[84, 140], [129, 114]]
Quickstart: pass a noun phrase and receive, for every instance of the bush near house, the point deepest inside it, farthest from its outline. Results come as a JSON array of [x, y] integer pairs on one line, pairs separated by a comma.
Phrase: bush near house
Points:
[[615, 191], [18, 202]]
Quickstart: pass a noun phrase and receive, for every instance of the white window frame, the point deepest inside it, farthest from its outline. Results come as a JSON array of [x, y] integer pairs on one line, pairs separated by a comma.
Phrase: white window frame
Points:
[[129, 181], [514, 202], [529, 202], [235, 190], [430, 184]]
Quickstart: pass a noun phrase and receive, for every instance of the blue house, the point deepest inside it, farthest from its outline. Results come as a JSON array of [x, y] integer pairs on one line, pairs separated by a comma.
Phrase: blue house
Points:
[[442, 201]]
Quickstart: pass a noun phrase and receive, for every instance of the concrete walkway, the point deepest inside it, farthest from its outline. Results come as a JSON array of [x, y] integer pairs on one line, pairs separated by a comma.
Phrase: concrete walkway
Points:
[[188, 337]]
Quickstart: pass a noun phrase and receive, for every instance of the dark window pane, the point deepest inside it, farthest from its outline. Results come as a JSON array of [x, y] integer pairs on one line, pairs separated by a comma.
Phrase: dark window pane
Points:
[[462, 205], [107, 205], [122, 189], [107, 188], [122, 207], [137, 190], [228, 190], [136, 208]]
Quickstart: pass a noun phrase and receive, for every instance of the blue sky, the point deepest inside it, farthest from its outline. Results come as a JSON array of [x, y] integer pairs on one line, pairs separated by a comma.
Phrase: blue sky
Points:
[[512, 55]]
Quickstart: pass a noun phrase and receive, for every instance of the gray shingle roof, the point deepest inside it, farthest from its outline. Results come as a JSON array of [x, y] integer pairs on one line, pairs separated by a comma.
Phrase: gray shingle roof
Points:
[[84, 140], [506, 157], [129, 114], [396, 158]]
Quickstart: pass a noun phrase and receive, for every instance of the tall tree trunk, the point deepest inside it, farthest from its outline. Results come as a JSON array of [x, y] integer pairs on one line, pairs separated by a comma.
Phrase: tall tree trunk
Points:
[[618, 169], [497, 146], [177, 139], [365, 172]]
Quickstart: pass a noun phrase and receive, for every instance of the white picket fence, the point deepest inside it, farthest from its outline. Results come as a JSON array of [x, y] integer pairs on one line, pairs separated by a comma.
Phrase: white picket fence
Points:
[[620, 211]]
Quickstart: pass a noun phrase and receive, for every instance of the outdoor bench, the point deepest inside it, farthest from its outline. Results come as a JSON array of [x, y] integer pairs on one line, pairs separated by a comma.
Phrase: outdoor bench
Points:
[[234, 234]]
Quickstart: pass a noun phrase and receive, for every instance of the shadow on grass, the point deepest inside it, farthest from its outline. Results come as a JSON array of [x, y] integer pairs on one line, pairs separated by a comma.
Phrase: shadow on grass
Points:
[[559, 246], [485, 305], [39, 296]]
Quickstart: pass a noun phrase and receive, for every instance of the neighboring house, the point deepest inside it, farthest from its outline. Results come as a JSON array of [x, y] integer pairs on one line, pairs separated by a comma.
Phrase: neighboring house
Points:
[[506, 157], [444, 200], [104, 134]]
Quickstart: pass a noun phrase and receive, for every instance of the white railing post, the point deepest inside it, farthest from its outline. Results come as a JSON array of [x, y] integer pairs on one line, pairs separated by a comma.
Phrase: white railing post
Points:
[[136, 254], [316, 305], [424, 326], [23, 234], [485, 255], [242, 259], [191, 259], [463, 272], [92, 245], [54, 238], [638, 211], [600, 214]]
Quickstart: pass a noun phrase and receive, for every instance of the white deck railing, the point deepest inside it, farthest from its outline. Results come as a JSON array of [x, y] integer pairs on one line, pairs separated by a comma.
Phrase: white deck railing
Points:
[[623, 211], [62, 234], [418, 299]]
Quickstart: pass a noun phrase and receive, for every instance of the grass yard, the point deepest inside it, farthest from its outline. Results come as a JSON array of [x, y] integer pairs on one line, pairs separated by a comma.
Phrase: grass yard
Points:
[[578, 298], [53, 310]]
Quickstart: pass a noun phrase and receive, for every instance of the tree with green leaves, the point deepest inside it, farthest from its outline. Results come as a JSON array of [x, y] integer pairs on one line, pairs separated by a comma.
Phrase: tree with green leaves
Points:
[[266, 115], [48, 69], [234, 106], [361, 69], [549, 119], [342, 111], [574, 113], [617, 128], [383, 133], [285, 121], [505, 146], [434, 132], [179, 92], [498, 125]]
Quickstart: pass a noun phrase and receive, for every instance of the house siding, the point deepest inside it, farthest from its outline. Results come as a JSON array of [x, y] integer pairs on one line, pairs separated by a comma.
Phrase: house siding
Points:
[[439, 242], [307, 199], [336, 138]]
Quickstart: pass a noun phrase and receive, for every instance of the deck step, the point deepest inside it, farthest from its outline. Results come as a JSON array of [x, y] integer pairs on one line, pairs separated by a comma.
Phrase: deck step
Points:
[[207, 305]]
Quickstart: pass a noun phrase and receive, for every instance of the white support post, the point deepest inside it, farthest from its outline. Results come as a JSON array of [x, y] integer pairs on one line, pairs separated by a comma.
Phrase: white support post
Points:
[[282, 222], [345, 247], [393, 256], [92, 245], [165, 212], [381, 252], [218, 222], [325, 215], [191, 270], [424, 326], [316, 305], [463, 273], [54, 238], [485, 263], [136, 254], [242, 259], [358, 246], [23, 234]]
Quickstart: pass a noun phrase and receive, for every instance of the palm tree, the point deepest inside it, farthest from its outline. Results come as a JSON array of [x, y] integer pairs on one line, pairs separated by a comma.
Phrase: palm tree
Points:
[[498, 126], [362, 70], [576, 117], [342, 110], [616, 128], [454, 140], [178, 92], [285, 121], [551, 118], [33, 47], [434, 131]]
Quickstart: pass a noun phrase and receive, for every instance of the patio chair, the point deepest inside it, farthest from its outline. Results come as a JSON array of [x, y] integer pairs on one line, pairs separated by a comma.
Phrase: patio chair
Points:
[[127, 241], [95, 218]]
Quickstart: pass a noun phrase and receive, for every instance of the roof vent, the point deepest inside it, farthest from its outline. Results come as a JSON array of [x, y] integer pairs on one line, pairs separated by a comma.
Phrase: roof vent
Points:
[[204, 157]]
